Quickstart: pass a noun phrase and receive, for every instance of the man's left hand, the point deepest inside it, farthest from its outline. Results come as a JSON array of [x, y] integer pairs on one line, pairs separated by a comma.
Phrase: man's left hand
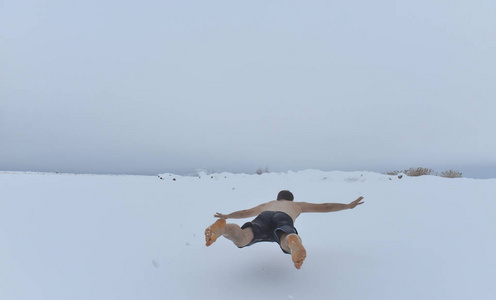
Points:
[[356, 202], [219, 215]]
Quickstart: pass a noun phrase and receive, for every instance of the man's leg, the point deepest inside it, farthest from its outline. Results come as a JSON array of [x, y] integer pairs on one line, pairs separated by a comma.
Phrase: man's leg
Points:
[[292, 243], [240, 237]]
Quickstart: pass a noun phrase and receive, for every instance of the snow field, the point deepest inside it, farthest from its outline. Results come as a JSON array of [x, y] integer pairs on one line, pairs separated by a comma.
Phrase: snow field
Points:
[[69, 236]]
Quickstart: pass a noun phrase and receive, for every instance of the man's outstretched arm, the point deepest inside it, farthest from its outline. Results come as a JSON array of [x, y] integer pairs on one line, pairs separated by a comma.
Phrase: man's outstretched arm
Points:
[[241, 214], [328, 207]]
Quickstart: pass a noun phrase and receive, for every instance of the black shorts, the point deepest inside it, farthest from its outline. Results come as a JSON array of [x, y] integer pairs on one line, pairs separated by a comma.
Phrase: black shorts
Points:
[[268, 227]]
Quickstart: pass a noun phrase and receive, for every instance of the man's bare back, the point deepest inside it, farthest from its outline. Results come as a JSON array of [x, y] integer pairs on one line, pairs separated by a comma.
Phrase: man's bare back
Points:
[[293, 209]]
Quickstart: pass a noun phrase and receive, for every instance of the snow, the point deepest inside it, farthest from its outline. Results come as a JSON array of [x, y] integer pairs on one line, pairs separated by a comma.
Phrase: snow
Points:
[[67, 236]]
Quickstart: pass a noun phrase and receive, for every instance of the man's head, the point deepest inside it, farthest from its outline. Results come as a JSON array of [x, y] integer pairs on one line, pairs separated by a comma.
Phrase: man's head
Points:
[[285, 195]]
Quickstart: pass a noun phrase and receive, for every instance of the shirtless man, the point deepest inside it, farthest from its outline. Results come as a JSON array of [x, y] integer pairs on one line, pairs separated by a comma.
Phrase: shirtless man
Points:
[[274, 223]]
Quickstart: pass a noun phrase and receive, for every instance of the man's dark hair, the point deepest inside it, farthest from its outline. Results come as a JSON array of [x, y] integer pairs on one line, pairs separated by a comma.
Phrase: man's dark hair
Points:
[[285, 195]]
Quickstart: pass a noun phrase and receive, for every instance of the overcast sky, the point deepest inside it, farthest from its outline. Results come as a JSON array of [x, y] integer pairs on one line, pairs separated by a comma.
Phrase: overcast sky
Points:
[[146, 87]]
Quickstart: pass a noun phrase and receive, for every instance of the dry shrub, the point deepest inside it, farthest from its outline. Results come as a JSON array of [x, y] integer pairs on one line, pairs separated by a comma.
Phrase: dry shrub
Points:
[[451, 174], [426, 171], [393, 173], [419, 171], [413, 172], [260, 171]]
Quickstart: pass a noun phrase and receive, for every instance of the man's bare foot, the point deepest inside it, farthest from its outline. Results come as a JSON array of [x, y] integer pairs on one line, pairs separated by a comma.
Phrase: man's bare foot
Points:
[[214, 231], [298, 252]]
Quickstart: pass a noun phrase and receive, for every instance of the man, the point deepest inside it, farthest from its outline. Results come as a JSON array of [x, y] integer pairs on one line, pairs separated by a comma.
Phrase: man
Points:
[[274, 223]]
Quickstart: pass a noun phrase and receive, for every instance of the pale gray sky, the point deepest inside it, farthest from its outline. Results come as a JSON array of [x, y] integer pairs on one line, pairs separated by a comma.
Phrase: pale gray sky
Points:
[[145, 87]]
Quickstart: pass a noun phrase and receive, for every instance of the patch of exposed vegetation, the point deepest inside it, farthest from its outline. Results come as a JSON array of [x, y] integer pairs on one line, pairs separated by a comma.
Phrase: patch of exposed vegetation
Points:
[[260, 171], [420, 171]]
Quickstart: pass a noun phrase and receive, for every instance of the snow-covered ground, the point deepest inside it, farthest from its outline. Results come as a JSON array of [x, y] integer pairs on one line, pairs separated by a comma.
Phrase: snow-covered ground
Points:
[[66, 236]]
